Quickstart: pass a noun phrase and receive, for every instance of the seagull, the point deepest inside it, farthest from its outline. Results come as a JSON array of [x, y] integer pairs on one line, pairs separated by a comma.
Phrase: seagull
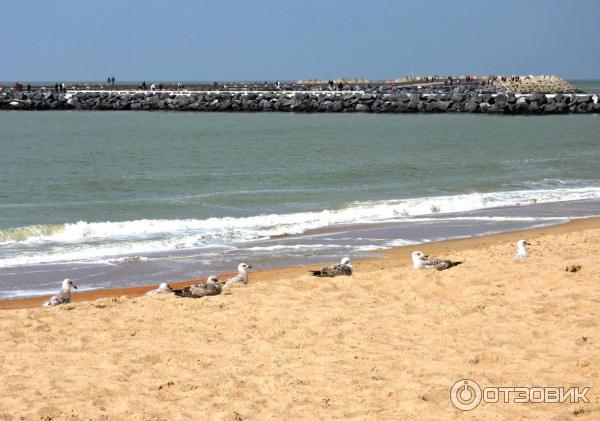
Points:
[[163, 288], [422, 261], [521, 251], [242, 275], [342, 268], [63, 296], [211, 287]]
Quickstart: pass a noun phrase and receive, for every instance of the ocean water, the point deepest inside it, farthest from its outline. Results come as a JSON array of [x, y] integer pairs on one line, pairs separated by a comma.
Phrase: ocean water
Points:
[[589, 86], [120, 198]]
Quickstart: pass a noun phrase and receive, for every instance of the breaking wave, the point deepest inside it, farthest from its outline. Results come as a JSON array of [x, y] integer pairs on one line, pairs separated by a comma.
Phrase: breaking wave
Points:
[[83, 241]]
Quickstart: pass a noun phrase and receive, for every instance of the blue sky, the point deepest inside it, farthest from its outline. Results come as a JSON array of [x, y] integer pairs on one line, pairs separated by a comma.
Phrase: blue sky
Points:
[[286, 40]]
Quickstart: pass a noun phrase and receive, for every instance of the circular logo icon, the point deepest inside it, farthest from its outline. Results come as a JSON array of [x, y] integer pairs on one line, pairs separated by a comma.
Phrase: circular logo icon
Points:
[[465, 395]]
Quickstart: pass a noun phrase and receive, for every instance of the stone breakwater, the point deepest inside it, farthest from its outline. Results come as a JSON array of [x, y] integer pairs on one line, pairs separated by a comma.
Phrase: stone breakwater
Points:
[[305, 102]]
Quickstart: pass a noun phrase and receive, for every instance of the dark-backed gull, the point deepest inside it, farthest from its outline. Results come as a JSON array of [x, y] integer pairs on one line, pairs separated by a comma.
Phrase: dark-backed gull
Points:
[[211, 287], [422, 261], [342, 268]]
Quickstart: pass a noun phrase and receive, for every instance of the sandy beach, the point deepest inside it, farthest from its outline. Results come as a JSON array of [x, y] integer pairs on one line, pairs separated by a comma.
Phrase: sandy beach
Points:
[[387, 343]]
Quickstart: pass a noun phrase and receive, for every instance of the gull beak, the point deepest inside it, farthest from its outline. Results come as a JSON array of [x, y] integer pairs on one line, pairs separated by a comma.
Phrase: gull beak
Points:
[[74, 286], [249, 267], [527, 243]]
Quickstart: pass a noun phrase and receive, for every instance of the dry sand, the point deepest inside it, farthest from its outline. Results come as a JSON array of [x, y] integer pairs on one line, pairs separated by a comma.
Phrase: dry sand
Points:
[[385, 344]]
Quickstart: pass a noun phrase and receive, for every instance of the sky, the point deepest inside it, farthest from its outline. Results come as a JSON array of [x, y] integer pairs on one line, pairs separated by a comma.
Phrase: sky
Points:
[[178, 40]]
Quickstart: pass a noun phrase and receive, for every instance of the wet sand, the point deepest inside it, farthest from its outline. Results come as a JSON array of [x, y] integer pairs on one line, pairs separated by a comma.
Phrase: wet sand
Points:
[[387, 343]]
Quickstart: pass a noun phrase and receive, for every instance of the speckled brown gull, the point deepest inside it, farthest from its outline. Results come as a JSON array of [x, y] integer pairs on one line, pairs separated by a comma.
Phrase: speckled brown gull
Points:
[[63, 296], [342, 268], [163, 288], [422, 261], [211, 287]]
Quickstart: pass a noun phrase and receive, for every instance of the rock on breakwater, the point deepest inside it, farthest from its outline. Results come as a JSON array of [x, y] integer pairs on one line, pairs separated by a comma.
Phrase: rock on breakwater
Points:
[[309, 102]]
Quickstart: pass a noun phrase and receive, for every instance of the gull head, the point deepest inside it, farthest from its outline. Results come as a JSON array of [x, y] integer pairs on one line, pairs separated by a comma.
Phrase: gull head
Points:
[[68, 284], [164, 287], [345, 261], [213, 280], [243, 267], [417, 259]]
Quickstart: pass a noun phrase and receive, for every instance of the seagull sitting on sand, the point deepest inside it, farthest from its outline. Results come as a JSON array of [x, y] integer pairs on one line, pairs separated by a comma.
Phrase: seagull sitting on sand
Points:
[[422, 261], [242, 275], [211, 287], [342, 268], [163, 288], [63, 296], [521, 251]]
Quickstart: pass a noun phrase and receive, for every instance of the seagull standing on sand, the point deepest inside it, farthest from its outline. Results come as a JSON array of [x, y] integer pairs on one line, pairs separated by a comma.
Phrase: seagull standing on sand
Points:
[[163, 288], [63, 296], [211, 287], [242, 275], [521, 250], [342, 268], [422, 261]]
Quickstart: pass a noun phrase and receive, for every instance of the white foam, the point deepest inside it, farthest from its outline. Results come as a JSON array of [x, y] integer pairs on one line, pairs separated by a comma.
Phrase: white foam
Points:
[[399, 242], [129, 259], [371, 248], [279, 247], [8, 294], [85, 241], [494, 218], [27, 293]]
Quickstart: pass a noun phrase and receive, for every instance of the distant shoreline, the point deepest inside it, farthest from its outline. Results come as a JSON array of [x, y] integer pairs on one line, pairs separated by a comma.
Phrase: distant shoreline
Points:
[[512, 95]]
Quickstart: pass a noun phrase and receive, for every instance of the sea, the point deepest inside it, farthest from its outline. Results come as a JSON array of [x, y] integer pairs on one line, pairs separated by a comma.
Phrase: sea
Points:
[[113, 199]]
